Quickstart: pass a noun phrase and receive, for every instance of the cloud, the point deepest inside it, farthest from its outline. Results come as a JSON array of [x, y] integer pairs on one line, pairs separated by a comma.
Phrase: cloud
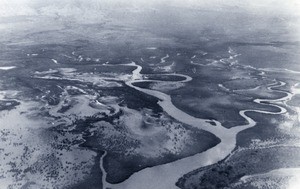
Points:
[[16, 8], [94, 10]]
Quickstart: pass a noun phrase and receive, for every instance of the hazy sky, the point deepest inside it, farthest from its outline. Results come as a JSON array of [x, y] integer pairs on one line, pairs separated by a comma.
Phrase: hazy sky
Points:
[[66, 12], [91, 8]]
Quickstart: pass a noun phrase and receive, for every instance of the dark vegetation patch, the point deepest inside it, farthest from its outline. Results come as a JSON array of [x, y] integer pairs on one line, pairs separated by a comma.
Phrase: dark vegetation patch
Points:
[[120, 167], [8, 104]]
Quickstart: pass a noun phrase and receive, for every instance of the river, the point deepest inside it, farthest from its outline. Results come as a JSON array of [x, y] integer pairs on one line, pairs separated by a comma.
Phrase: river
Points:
[[165, 176]]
